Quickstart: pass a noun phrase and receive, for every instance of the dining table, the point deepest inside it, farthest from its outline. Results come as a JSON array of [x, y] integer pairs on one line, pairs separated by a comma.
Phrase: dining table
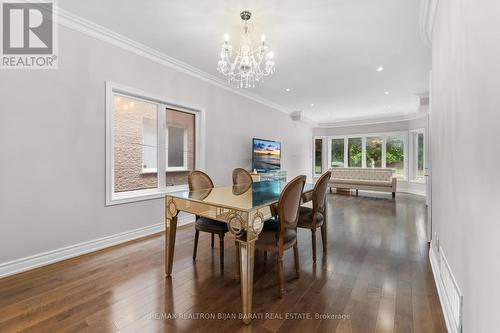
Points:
[[245, 208]]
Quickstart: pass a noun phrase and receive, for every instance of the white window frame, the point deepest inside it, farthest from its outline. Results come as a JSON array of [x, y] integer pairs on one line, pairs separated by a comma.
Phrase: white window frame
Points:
[[323, 155], [163, 104], [363, 136], [414, 153]]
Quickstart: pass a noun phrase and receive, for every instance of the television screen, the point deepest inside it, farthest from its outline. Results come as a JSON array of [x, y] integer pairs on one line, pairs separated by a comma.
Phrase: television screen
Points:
[[266, 155]]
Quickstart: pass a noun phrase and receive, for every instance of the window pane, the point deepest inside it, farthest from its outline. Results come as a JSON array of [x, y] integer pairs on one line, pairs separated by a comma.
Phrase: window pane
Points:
[[180, 145], [175, 147], [395, 154], [337, 153], [318, 152], [149, 142], [420, 155], [135, 144], [355, 152], [373, 152]]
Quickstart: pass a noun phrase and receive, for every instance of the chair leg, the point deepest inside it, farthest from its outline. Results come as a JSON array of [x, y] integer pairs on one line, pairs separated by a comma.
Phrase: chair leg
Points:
[[296, 258], [212, 240], [323, 236], [393, 195], [196, 236], [265, 256], [221, 240], [313, 234], [281, 277], [357, 192]]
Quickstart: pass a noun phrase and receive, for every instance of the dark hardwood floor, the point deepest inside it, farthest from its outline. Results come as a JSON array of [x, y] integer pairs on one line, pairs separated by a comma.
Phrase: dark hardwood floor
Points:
[[376, 277]]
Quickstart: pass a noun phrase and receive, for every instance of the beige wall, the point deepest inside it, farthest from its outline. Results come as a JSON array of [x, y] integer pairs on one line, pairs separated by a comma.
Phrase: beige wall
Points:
[[465, 120]]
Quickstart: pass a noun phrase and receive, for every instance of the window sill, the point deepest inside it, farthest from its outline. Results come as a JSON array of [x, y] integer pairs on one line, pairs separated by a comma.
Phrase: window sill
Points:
[[142, 195], [179, 169], [150, 171], [418, 181]]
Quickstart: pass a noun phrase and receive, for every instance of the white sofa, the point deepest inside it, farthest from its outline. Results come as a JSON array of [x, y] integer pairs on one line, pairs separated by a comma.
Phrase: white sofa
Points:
[[363, 179]]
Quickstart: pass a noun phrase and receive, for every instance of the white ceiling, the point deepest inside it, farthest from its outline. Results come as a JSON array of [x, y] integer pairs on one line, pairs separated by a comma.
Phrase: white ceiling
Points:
[[327, 51]]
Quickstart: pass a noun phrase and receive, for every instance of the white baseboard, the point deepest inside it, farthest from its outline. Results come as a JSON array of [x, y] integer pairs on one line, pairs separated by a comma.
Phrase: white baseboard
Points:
[[50, 257], [450, 296], [412, 191]]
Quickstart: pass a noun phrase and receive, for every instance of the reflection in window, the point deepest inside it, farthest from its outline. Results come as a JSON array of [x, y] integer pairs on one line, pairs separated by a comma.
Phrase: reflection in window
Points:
[[374, 152], [135, 144], [318, 152], [149, 143], [395, 154], [418, 147], [420, 155], [180, 145], [355, 152], [337, 153]]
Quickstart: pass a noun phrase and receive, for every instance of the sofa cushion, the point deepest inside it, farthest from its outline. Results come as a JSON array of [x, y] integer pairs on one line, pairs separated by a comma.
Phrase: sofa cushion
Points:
[[362, 174], [362, 182]]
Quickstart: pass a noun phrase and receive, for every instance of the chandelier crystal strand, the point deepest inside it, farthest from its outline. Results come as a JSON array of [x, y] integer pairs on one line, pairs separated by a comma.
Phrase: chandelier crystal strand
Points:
[[249, 65]]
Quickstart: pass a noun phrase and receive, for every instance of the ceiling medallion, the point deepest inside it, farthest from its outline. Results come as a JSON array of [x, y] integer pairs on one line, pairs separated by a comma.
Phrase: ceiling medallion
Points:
[[249, 65]]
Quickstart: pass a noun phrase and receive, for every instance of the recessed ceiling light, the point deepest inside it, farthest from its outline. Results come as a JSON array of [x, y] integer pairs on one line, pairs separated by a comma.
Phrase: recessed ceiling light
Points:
[[287, 89], [386, 92], [380, 69], [312, 105]]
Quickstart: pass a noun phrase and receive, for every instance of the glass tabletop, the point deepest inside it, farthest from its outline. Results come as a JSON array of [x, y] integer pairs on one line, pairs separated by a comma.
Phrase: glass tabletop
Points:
[[243, 197]]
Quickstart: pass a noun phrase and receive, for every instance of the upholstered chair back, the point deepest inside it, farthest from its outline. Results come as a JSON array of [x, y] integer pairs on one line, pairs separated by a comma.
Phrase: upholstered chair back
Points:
[[319, 192], [289, 203], [241, 176], [198, 180]]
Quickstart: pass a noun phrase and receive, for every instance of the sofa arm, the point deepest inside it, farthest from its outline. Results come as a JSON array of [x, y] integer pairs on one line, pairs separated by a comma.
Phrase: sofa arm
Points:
[[394, 183]]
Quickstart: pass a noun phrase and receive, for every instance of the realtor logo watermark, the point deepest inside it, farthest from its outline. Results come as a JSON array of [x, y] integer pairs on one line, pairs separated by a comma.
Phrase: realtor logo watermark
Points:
[[29, 35]]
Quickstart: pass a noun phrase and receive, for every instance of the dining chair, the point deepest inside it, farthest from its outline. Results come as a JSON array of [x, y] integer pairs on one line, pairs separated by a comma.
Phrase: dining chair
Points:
[[313, 218], [199, 180], [280, 234], [241, 176]]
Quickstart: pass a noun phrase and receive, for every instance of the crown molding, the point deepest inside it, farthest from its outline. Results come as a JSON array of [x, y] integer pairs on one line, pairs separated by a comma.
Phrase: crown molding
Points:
[[372, 121], [428, 10], [77, 23]]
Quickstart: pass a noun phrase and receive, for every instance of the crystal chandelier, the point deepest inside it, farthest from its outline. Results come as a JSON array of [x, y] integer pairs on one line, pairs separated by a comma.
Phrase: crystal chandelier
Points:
[[249, 65]]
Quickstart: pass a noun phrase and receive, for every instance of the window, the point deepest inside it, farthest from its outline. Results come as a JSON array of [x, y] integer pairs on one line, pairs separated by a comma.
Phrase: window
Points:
[[374, 152], [138, 145], [337, 153], [377, 150], [418, 147], [318, 156], [355, 152], [180, 146], [395, 154]]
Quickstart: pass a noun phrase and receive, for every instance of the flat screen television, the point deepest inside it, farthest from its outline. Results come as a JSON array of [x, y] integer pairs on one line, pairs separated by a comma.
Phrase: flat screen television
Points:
[[266, 155]]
